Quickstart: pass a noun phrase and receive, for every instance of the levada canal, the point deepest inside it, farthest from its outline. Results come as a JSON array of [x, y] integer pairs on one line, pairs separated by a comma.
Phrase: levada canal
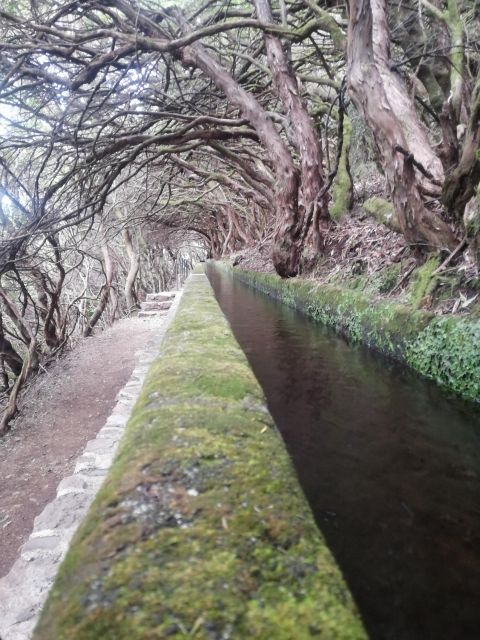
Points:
[[389, 464]]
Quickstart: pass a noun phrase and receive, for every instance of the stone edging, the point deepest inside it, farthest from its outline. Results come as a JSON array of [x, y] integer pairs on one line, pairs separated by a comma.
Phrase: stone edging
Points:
[[202, 529], [24, 589]]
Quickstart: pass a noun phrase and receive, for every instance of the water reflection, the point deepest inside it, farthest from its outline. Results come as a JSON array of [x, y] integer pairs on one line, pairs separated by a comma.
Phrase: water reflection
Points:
[[390, 466]]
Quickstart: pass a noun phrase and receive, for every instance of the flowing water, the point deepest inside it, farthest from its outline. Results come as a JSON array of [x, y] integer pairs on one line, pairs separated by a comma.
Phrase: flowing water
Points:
[[389, 465]]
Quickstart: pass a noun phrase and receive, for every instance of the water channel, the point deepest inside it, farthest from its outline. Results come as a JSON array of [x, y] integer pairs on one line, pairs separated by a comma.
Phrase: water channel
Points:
[[389, 464]]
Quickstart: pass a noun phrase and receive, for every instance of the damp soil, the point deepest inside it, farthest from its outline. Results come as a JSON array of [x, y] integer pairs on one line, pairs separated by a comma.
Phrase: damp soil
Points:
[[389, 464]]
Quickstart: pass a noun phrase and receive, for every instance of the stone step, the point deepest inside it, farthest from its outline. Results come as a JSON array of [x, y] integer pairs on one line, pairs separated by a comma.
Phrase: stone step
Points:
[[161, 296], [151, 314], [156, 305]]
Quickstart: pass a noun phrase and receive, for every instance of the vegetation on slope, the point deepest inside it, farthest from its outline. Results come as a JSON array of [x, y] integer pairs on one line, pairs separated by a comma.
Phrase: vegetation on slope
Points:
[[444, 349]]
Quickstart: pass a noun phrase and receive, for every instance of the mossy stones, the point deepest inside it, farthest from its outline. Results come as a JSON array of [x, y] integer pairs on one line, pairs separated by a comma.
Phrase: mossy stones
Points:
[[383, 211]]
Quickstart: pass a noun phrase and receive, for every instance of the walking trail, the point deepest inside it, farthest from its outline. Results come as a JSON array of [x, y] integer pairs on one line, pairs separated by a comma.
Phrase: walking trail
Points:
[[65, 407]]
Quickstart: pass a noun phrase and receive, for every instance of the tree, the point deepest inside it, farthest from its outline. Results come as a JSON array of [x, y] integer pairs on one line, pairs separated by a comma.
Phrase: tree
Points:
[[213, 127], [413, 170]]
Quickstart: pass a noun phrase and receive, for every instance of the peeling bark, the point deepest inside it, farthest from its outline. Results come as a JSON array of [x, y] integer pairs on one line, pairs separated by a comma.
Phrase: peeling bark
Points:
[[314, 204], [381, 97]]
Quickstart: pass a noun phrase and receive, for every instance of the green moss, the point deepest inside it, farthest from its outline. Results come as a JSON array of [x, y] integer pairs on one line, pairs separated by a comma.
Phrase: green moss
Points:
[[423, 281], [472, 216], [342, 186], [388, 278], [201, 529], [383, 211], [446, 350], [455, 26], [383, 281], [358, 282], [448, 284]]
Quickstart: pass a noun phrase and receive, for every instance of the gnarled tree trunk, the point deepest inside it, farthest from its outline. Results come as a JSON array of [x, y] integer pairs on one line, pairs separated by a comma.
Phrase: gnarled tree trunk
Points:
[[45, 308], [134, 266], [313, 200], [29, 361], [287, 250], [10, 356], [413, 170], [105, 293], [462, 180]]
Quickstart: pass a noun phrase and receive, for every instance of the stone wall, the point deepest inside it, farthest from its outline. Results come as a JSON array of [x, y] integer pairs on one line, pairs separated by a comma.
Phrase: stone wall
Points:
[[201, 529]]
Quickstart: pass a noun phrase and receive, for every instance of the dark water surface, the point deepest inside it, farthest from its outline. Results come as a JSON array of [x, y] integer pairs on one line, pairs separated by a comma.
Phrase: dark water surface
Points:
[[389, 464]]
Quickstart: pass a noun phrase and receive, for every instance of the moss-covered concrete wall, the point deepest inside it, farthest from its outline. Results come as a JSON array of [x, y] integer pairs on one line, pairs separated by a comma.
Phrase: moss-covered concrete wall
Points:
[[201, 530], [445, 349]]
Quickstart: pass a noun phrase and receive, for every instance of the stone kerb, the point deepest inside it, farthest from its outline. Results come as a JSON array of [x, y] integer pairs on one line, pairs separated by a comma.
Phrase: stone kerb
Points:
[[24, 589]]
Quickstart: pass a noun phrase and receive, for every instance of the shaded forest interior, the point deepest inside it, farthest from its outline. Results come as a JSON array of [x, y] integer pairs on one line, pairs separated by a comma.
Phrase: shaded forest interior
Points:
[[337, 140]]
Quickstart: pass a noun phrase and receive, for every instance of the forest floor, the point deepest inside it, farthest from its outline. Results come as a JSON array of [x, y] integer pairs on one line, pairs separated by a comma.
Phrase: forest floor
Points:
[[63, 409], [366, 256]]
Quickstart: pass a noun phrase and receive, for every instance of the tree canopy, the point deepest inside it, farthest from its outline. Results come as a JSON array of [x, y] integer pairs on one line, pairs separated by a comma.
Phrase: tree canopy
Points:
[[133, 131]]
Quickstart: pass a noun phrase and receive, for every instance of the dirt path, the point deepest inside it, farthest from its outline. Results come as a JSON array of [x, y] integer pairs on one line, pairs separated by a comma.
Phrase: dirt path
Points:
[[65, 408]]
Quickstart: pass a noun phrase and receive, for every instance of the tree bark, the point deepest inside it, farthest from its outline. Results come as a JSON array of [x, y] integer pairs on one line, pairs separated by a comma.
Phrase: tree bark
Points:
[[29, 362], [11, 409], [314, 203], [287, 249], [105, 294], [4, 380], [381, 97], [240, 233], [22, 327], [44, 308], [462, 181], [10, 356], [134, 266], [229, 235]]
